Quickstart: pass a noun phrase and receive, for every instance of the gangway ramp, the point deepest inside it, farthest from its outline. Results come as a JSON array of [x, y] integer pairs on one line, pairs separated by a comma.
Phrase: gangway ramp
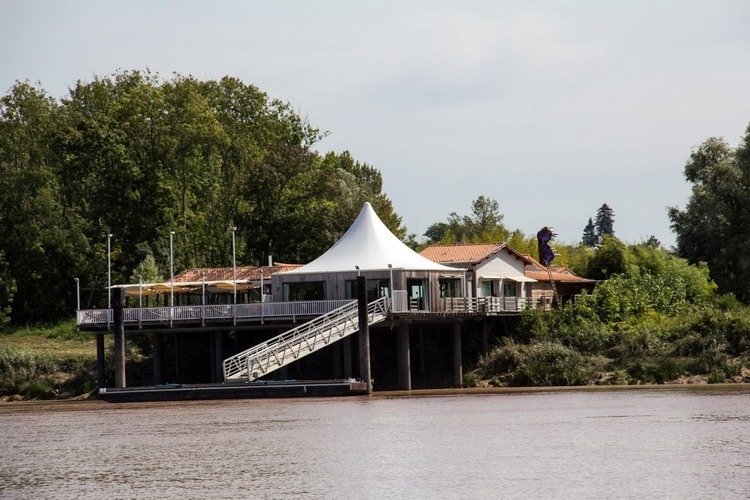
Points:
[[301, 341]]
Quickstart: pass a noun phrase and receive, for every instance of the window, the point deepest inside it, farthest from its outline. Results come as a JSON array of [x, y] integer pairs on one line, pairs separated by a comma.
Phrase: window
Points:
[[509, 288], [450, 287], [313, 290], [488, 288], [376, 288]]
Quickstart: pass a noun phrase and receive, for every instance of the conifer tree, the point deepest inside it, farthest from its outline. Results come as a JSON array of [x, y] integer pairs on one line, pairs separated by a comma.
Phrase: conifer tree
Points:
[[605, 221], [590, 238]]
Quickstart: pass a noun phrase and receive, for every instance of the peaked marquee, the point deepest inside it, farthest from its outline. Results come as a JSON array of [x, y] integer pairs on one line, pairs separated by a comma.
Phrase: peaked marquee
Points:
[[369, 244]]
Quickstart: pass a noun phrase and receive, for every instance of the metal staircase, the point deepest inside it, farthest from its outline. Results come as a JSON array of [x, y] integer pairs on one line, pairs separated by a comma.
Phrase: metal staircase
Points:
[[301, 341]]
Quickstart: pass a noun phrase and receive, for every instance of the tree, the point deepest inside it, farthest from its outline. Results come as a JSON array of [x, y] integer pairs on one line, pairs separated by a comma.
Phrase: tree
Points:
[[41, 238], [713, 227], [484, 225], [590, 238], [138, 157], [7, 289], [605, 220], [611, 258]]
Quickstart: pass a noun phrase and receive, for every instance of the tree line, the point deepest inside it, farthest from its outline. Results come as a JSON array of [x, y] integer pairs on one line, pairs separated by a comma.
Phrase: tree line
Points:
[[138, 157]]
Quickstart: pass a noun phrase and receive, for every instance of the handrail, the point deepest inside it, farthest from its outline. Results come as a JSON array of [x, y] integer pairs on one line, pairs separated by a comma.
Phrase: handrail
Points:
[[265, 310], [212, 311], [341, 319]]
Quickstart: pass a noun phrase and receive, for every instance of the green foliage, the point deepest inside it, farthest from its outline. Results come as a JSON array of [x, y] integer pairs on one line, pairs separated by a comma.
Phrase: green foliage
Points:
[[543, 363], [147, 271], [590, 238], [655, 323], [138, 157], [43, 376], [484, 225], [610, 258], [712, 228], [7, 290], [605, 221]]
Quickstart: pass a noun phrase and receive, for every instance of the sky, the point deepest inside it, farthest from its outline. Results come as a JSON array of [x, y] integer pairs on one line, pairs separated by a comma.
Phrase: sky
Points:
[[551, 108]]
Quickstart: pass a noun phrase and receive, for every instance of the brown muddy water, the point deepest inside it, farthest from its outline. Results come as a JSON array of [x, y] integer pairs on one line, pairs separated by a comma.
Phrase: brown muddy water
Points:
[[676, 443]]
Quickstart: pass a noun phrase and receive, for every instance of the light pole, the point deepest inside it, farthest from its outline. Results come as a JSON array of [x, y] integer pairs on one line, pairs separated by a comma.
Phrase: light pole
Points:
[[390, 268], [234, 263], [78, 294], [171, 268], [140, 292], [109, 273], [140, 299]]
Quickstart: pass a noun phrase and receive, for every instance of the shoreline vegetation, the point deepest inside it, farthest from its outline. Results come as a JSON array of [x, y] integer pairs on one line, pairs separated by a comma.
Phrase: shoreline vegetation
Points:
[[706, 344], [47, 362]]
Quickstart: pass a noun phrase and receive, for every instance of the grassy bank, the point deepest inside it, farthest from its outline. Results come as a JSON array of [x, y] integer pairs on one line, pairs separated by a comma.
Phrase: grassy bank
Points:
[[46, 362]]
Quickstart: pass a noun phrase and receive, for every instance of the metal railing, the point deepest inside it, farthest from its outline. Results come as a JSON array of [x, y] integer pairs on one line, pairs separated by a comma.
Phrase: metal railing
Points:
[[491, 305], [212, 312], [302, 309], [301, 341]]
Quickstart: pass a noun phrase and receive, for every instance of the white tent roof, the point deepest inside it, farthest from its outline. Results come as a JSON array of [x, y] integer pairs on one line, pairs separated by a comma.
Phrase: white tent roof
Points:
[[370, 245]]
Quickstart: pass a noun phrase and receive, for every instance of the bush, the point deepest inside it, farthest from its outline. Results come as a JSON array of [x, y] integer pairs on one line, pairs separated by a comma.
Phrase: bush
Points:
[[540, 364], [41, 377], [657, 370]]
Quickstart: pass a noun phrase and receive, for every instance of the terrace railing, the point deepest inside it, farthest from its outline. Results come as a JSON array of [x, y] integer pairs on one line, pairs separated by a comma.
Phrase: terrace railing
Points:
[[211, 312], [489, 305], [304, 309]]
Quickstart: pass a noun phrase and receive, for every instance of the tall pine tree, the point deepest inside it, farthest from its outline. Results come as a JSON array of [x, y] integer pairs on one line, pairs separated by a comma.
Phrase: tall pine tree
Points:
[[605, 221], [590, 238]]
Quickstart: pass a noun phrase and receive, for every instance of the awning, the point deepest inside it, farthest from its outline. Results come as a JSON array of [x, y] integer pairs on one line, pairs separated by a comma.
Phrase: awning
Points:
[[229, 286]]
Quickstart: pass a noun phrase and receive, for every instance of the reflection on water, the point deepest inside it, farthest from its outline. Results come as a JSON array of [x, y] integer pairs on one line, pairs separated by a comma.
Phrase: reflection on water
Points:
[[621, 444]]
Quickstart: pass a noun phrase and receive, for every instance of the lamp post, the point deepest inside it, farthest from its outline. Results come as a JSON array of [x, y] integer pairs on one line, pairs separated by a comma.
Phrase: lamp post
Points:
[[140, 292], [171, 268], [390, 268], [109, 273], [357, 268], [78, 294], [234, 263], [140, 299]]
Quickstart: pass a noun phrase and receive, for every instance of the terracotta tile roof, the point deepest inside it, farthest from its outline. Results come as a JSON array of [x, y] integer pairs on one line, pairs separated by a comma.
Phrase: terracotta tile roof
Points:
[[559, 273], [460, 253], [226, 273]]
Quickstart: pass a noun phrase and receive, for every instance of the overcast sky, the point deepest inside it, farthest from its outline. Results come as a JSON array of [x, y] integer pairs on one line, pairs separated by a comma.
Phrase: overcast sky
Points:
[[552, 108]]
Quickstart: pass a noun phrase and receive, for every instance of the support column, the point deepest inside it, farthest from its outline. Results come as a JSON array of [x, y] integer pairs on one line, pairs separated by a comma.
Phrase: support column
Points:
[[403, 357], [364, 334], [458, 373], [346, 347], [212, 355], [100, 373], [219, 359], [337, 364], [158, 358], [119, 337], [485, 336]]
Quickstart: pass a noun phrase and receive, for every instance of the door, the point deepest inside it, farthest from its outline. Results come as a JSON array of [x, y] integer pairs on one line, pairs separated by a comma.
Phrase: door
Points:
[[417, 291]]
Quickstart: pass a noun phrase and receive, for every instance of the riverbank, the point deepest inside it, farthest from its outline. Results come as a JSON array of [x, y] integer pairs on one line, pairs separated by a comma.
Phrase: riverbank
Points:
[[46, 362], [92, 404]]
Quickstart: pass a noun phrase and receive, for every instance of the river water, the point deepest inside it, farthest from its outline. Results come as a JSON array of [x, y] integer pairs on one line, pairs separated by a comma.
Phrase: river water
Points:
[[677, 443]]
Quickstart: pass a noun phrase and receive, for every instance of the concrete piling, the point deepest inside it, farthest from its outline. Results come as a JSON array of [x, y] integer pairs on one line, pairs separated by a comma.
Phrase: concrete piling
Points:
[[403, 357], [364, 334], [119, 303]]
